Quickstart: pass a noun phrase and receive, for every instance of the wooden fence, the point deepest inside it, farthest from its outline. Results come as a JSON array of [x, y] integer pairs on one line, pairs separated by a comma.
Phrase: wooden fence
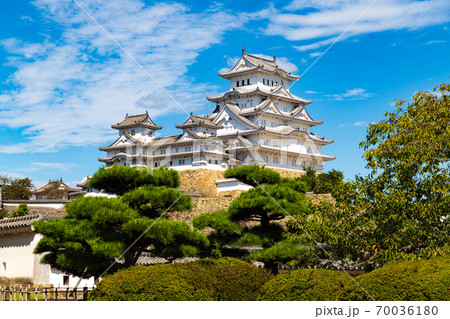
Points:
[[33, 293]]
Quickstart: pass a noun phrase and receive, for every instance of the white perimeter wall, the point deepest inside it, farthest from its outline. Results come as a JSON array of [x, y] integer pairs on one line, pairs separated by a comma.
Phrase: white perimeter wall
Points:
[[16, 251]]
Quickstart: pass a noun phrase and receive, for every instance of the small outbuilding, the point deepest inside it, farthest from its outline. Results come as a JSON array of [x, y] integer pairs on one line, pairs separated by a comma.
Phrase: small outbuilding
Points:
[[18, 263]]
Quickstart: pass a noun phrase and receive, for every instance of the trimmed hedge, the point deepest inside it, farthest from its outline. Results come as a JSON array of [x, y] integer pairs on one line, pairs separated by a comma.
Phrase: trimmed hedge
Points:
[[206, 279], [306, 284], [406, 280]]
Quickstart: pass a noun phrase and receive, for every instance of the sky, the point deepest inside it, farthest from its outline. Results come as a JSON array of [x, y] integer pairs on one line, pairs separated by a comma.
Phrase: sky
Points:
[[71, 68]]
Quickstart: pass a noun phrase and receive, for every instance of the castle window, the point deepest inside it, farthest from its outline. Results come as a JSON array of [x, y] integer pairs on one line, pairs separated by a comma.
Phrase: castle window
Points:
[[264, 81], [216, 162], [209, 161], [293, 163], [132, 132], [156, 164], [266, 159], [237, 83], [243, 82], [272, 83], [181, 162], [163, 151], [275, 160], [188, 149], [248, 81], [170, 163], [150, 133]]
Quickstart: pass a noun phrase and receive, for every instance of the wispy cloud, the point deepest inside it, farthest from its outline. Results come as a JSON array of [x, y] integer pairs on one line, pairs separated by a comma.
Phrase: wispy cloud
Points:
[[322, 20], [69, 89], [436, 41], [311, 92], [360, 123], [353, 94]]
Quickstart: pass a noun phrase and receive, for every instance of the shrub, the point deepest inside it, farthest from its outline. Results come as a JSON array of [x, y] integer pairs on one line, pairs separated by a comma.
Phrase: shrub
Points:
[[207, 279], [3, 213], [306, 284], [406, 280], [21, 211]]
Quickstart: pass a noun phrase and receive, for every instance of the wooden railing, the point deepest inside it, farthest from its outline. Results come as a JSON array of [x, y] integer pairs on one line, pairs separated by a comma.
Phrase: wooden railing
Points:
[[35, 293]]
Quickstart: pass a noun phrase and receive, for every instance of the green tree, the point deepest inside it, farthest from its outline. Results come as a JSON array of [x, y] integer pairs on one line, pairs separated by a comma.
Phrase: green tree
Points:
[[253, 175], [250, 219], [408, 189], [97, 230], [16, 188], [122, 179], [22, 210], [322, 183]]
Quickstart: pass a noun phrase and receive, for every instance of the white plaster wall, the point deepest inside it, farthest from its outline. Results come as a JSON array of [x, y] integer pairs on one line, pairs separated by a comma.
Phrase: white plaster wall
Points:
[[255, 79], [56, 279], [43, 205], [16, 250], [232, 186]]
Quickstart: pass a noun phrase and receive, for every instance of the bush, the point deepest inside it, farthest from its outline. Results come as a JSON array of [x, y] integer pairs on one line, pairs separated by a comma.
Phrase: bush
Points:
[[207, 279], [406, 280], [3, 213], [21, 211], [306, 284]]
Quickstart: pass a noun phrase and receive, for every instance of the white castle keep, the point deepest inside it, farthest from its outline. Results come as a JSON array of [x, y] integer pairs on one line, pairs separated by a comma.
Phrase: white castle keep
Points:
[[258, 121]]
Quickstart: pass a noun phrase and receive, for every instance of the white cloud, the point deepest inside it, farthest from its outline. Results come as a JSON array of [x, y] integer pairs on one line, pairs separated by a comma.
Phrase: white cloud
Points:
[[360, 123], [323, 20], [311, 92], [315, 54], [68, 90], [436, 41], [353, 94]]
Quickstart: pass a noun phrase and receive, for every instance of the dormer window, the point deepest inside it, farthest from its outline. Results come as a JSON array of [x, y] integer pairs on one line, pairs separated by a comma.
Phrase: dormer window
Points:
[[237, 83], [133, 132], [150, 133], [248, 81], [243, 82]]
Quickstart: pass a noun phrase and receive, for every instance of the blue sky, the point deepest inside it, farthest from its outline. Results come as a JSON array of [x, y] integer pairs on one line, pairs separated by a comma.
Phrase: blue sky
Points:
[[63, 81]]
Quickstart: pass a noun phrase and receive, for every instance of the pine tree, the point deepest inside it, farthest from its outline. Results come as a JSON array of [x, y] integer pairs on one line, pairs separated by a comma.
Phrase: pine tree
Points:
[[272, 199], [97, 230]]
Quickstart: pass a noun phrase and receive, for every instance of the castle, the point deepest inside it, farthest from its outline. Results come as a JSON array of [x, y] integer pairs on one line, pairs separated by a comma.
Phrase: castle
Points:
[[257, 121]]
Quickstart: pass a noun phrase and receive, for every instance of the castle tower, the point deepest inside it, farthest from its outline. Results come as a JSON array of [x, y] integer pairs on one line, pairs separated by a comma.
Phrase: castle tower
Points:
[[256, 121]]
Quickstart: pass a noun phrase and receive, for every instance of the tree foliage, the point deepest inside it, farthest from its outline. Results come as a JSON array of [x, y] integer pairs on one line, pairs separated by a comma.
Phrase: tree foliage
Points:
[[253, 175], [22, 210], [97, 230], [408, 189], [16, 188], [250, 219], [322, 183], [206, 279], [122, 179]]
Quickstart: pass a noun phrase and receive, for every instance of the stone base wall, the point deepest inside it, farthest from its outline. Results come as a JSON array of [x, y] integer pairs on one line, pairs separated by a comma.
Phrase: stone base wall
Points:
[[202, 181], [287, 172], [202, 205]]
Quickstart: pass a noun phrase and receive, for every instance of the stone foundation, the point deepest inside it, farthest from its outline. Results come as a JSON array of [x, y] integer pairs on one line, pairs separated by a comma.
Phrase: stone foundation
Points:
[[202, 181], [201, 205]]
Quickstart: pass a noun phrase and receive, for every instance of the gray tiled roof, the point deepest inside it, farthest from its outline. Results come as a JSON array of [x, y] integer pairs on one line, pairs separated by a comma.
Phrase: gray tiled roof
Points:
[[17, 222], [137, 120]]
